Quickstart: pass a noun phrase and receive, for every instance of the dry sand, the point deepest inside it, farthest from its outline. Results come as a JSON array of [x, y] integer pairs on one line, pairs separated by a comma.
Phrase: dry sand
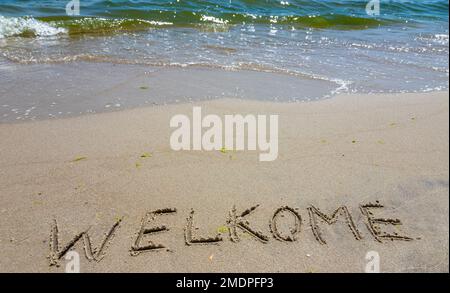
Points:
[[345, 151]]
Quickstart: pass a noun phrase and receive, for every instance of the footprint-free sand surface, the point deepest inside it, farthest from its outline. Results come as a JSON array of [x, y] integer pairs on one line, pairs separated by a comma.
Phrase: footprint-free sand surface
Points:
[[354, 174]]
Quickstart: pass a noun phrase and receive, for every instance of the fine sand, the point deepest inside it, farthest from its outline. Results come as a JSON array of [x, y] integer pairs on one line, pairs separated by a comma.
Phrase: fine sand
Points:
[[85, 173]]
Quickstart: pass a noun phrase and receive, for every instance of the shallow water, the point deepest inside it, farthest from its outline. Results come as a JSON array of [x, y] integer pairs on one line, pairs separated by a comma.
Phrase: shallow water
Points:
[[404, 49], [61, 90]]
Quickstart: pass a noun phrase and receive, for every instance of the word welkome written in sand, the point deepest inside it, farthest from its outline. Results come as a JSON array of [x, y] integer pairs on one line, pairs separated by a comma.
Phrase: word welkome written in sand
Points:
[[237, 224]]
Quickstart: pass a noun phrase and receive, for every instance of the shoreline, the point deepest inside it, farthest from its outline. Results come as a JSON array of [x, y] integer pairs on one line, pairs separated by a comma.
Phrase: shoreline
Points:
[[193, 103], [347, 151], [73, 89]]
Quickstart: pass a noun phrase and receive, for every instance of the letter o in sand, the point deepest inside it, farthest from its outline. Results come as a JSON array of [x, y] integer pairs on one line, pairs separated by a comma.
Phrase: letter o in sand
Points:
[[294, 231]]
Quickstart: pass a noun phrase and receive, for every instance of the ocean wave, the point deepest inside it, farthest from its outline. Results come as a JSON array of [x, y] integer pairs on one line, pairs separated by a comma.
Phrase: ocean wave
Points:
[[109, 16], [27, 26], [51, 26]]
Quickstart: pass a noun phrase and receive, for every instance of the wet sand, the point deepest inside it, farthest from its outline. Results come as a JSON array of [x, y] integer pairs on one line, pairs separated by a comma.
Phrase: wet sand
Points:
[[379, 156], [61, 90]]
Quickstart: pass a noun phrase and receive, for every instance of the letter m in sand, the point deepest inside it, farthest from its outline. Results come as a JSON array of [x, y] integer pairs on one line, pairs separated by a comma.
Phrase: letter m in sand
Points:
[[315, 213]]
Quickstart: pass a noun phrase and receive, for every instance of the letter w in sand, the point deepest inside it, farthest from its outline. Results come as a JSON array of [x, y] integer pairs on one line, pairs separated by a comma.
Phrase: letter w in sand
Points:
[[96, 253]]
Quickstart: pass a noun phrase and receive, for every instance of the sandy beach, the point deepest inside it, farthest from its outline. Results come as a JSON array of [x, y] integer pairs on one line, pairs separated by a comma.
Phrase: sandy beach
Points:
[[372, 158]]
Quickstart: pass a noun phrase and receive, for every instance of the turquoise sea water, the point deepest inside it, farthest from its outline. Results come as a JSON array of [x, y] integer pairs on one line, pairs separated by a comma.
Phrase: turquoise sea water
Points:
[[345, 14], [405, 48]]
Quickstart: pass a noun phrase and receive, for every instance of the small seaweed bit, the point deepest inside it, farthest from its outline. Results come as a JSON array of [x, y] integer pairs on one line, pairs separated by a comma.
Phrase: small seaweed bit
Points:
[[222, 229], [77, 159], [223, 150], [138, 164], [143, 87], [146, 155]]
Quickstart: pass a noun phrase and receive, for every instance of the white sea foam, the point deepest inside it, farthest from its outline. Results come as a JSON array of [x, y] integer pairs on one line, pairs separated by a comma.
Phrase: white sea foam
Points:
[[213, 19], [14, 26], [441, 39], [152, 22]]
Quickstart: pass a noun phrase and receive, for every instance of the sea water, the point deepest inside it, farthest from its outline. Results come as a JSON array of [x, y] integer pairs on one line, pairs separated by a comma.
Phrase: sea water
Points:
[[403, 49]]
